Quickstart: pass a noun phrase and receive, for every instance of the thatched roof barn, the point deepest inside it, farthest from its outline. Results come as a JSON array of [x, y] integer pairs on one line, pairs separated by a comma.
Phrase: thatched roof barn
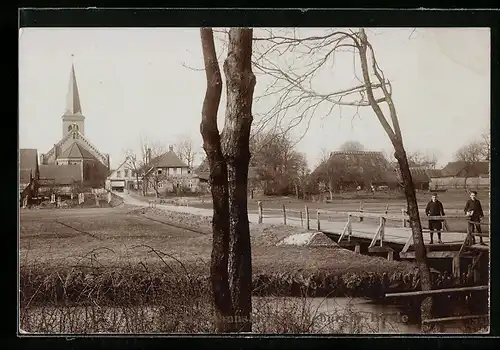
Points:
[[353, 168]]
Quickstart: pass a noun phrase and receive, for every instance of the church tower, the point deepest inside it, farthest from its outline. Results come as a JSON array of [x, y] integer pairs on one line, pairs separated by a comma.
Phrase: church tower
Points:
[[73, 117]]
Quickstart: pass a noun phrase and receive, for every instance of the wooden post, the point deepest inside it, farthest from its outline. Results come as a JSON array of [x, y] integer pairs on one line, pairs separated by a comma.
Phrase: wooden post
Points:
[[317, 218], [386, 209], [259, 203], [307, 218], [403, 214], [109, 197], [96, 199], [349, 227], [301, 221], [284, 215], [390, 255], [58, 202], [361, 210], [382, 230], [455, 267], [477, 264], [357, 249]]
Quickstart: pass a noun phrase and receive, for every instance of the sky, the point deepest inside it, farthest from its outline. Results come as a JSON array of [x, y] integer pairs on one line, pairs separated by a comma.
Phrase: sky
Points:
[[147, 84]]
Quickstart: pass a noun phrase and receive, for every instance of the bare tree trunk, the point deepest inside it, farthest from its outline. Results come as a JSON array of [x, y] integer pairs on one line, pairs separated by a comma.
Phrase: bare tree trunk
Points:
[[416, 228], [396, 138], [240, 83], [218, 185]]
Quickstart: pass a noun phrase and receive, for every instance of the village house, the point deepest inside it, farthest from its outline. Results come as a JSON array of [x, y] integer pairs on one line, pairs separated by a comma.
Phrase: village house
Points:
[[122, 178], [350, 169], [29, 173], [420, 175], [73, 160], [167, 173], [460, 174]]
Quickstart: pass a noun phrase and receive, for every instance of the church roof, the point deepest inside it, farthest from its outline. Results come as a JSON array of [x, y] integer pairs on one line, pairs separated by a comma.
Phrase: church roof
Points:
[[76, 151], [73, 105]]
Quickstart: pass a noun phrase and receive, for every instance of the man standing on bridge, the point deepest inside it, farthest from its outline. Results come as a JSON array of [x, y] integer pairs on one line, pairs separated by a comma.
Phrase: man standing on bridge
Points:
[[435, 208], [474, 212]]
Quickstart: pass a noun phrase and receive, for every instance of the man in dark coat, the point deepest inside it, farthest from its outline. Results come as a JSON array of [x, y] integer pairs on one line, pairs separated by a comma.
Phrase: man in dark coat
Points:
[[435, 208], [474, 212]]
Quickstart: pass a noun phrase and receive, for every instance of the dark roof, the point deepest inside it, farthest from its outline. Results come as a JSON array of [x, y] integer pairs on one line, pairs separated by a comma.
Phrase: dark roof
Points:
[[420, 174], [359, 163], [76, 151], [167, 160], [28, 158], [461, 168], [61, 174], [204, 175], [25, 176]]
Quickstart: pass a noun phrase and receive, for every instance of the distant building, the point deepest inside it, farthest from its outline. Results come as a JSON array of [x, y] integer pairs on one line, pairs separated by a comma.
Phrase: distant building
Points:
[[350, 169], [421, 176], [167, 173], [29, 173], [122, 178], [74, 152], [462, 174]]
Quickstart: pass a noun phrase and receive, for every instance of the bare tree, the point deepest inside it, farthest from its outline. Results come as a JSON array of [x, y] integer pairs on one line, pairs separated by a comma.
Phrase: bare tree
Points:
[[185, 150], [142, 164], [228, 157], [294, 88], [420, 159], [471, 153], [352, 146], [486, 145]]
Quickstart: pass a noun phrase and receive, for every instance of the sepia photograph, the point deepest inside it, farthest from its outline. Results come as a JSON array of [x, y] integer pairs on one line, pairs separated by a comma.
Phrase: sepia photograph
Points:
[[254, 180]]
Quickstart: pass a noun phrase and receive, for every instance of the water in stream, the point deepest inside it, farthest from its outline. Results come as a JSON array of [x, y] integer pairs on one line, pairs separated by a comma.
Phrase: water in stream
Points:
[[271, 315]]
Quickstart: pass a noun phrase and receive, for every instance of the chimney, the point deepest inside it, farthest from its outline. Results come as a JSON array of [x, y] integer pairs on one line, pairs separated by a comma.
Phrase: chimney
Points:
[[171, 148]]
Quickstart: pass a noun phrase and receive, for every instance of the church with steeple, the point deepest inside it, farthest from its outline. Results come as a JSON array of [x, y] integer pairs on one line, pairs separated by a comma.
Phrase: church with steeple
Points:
[[74, 153]]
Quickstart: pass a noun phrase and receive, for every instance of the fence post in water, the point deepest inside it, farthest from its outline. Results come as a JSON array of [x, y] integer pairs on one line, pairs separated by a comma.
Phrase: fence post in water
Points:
[[259, 204], [307, 217], [361, 210], [455, 266], [403, 214], [317, 218], [284, 215], [301, 221]]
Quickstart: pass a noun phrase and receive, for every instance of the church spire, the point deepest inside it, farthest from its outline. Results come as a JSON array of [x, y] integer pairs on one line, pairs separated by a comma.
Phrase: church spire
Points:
[[73, 106]]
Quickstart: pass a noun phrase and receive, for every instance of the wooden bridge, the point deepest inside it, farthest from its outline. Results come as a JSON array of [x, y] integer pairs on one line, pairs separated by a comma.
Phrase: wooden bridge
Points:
[[391, 236]]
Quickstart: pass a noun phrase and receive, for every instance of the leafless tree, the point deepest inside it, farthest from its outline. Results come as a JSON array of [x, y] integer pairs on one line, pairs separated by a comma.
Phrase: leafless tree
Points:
[[486, 145], [141, 163], [279, 166], [420, 159], [351, 146], [296, 88], [228, 157], [471, 153], [185, 150]]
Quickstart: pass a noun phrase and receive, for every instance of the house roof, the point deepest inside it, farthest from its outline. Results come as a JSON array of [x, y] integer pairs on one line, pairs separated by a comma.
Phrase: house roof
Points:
[[76, 151], [359, 164], [24, 176], [167, 160], [28, 158], [470, 169], [61, 174]]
